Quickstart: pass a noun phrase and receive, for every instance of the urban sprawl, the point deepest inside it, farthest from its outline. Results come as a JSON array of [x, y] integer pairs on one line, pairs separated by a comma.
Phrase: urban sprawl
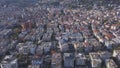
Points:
[[60, 34]]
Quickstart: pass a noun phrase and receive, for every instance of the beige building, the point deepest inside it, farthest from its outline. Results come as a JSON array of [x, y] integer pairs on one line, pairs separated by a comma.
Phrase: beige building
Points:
[[95, 60]]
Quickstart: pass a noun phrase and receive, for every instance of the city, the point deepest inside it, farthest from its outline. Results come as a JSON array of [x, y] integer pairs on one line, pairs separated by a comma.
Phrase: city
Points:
[[60, 34]]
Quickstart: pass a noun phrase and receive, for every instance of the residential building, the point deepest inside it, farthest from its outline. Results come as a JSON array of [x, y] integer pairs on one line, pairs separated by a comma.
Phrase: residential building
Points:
[[64, 47], [5, 33], [116, 54], [26, 48], [76, 37], [110, 63], [56, 60], [80, 59], [46, 47], [96, 45], [68, 59], [95, 60], [9, 62], [79, 47], [39, 50], [37, 61], [105, 55], [88, 47], [33, 66]]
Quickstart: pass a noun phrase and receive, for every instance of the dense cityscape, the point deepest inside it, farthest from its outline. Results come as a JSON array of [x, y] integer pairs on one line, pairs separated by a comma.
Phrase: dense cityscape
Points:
[[59, 33]]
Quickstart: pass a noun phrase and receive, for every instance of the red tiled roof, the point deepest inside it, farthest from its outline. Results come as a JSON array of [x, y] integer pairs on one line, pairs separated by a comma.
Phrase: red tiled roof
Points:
[[109, 36], [95, 31], [86, 44]]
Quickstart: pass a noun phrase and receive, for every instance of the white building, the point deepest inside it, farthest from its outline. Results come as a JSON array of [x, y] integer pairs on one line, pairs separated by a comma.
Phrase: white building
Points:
[[110, 64], [95, 60], [9, 62], [116, 54]]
